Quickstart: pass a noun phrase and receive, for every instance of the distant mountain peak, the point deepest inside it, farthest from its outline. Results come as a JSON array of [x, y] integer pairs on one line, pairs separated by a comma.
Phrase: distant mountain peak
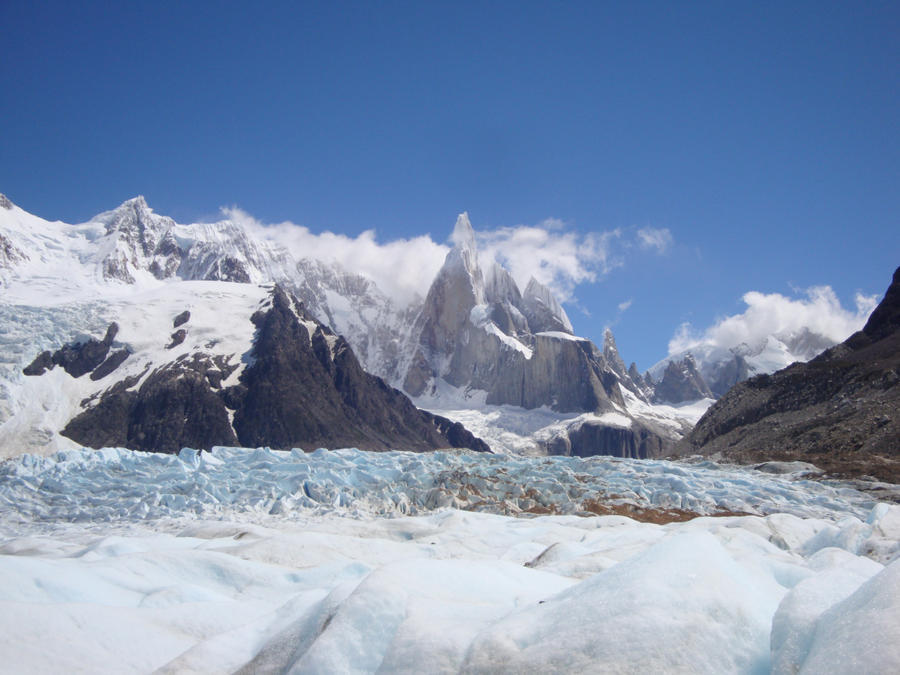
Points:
[[4, 202], [463, 235], [137, 202]]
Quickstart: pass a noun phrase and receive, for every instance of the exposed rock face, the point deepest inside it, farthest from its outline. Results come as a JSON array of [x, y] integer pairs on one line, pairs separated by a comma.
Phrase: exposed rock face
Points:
[[141, 241], [542, 309], [719, 368], [113, 361], [138, 241], [181, 319], [643, 382], [628, 377], [9, 254], [637, 442], [306, 388], [373, 324], [476, 331], [682, 382], [175, 407], [303, 387], [561, 373], [77, 358], [177, 338], [840, 411], [5, 203]]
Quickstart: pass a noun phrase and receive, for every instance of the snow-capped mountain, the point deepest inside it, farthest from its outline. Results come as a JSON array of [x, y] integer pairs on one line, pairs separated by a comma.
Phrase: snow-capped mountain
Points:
[[476, 345], [712, 370]]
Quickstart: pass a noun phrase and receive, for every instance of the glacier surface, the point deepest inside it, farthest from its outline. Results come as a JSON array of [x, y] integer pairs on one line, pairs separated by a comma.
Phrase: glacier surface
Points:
[[241, 560]]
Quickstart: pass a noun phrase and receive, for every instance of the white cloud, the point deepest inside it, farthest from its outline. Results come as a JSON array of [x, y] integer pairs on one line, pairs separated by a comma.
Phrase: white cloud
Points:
[[625, 305], [402, 268], [550, 251], [819, 311], [659, 239], [557, 258]]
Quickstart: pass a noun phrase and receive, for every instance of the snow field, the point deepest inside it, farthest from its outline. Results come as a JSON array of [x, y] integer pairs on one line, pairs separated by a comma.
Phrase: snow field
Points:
[[447, 592]]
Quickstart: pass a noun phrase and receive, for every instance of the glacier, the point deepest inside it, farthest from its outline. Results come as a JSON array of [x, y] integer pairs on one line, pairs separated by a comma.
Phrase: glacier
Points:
[[255, 560]]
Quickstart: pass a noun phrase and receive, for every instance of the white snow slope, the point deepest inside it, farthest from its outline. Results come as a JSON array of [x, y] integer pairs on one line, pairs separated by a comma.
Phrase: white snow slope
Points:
[[260, 561]]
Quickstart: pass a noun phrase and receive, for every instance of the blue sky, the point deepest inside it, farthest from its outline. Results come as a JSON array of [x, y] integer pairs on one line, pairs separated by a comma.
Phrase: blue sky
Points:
[[763, 136]]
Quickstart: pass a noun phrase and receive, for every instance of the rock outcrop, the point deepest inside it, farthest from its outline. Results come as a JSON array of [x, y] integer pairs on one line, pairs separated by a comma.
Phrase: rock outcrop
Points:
[[77, 358], [635, 441], [840, 411]]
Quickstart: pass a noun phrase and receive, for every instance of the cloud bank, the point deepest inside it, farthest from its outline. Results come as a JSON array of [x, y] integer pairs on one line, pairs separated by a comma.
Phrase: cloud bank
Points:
[[402, 268], [556, 258], [819, 311], [550, 251]]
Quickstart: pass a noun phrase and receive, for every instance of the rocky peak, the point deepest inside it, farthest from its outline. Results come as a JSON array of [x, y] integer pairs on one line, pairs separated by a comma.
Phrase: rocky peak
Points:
[[543, 310], [505, 301], [682, 382], [143, 241], [5, 203], [635, 374], [461, 264], [804, 344], [611, 353], [133, 216], [463, 235], [885, 320]]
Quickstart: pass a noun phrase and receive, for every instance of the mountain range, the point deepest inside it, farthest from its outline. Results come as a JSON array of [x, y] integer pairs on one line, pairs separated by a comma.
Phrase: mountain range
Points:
[[477, 349]]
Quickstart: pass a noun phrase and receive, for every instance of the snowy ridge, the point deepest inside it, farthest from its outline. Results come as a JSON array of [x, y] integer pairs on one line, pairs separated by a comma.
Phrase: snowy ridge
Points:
[[131, 247]]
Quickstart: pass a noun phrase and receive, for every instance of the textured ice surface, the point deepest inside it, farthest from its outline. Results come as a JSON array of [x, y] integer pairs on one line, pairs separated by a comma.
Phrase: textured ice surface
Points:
[[241, 560], [117, 484]]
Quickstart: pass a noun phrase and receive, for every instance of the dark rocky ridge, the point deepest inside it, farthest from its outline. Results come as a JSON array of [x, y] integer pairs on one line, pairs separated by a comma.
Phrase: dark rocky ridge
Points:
[[309, 390], [299, 390], [840, 411]]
